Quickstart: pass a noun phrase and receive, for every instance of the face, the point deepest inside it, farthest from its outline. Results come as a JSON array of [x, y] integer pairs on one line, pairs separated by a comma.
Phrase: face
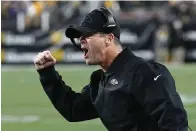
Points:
[[94, 48]]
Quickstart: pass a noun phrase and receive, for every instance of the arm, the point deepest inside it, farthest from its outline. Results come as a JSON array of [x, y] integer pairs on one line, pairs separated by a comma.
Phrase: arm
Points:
[[71, 105], [160, 99]]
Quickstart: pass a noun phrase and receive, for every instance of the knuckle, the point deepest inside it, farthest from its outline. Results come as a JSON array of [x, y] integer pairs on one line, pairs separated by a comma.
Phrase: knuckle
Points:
[[47, 52], [41, 55], [36, 59]]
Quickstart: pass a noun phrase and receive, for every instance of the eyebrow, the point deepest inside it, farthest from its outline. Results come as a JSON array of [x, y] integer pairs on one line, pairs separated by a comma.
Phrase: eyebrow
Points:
[[88, 35]]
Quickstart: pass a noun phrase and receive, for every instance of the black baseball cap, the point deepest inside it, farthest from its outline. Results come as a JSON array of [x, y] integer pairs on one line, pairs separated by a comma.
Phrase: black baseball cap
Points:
[[95, 21]]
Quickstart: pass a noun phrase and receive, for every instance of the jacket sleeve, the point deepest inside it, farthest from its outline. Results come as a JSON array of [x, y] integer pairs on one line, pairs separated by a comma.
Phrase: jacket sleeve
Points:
[[156, 92], [72, 106]]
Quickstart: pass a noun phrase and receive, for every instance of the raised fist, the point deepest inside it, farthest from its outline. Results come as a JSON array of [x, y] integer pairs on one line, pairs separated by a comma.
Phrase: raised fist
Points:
[[44, 59]]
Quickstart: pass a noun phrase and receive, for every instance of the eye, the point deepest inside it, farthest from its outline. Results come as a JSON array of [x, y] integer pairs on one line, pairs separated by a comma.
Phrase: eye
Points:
[[88, 35]]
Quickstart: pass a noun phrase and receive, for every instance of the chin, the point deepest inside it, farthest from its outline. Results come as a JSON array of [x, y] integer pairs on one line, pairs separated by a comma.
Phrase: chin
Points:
[[89, 62]]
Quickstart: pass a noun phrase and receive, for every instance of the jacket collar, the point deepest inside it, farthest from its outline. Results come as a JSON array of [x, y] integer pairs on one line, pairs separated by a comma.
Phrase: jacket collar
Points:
[[116, 67], [124, 57]]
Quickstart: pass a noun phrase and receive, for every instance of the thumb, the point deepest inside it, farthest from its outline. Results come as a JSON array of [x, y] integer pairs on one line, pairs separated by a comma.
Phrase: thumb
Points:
[[47, 64], [49, 56]]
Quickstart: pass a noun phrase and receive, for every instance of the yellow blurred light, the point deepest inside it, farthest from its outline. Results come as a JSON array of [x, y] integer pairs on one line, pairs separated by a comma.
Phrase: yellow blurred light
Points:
[[56, 37], [108, 4], [2, 37], [58, 54], [2, 55]]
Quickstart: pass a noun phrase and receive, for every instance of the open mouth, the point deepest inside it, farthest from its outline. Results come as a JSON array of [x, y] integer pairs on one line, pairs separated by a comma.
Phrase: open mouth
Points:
[[85, 51]]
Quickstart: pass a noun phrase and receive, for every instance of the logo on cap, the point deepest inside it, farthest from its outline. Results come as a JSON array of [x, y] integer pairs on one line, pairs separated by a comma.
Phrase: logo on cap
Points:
[[87, 19]]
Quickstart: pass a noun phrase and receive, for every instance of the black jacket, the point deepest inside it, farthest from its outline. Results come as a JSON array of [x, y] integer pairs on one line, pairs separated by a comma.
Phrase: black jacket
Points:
[[133, 95]]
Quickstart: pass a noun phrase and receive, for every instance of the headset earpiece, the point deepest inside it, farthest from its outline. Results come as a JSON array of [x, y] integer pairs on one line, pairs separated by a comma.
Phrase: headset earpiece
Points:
[[109, 17]]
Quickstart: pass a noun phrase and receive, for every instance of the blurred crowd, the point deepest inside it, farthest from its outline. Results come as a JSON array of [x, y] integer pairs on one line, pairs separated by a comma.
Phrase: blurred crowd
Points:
[[61, 11], [31, 10], [24, 16]]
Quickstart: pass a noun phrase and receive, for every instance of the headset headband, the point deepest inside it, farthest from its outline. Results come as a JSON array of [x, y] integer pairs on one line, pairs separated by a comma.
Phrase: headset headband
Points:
[[108, 16]]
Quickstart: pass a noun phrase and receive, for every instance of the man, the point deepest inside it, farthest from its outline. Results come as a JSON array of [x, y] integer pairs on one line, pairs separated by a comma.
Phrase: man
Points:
[[127, 94]]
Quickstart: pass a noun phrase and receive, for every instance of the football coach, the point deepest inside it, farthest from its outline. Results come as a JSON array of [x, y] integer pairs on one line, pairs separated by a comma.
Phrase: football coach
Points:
[[127, 93]]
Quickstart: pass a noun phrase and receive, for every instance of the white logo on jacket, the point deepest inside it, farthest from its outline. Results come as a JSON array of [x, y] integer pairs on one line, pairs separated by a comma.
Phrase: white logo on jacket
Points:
[[155, 78], [114, 82]]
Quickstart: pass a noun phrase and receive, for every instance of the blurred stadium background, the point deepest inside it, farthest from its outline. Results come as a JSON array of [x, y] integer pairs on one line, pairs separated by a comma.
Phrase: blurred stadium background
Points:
[[156, 31]]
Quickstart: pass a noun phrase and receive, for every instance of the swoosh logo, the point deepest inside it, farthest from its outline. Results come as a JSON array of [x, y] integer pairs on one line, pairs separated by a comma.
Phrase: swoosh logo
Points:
[[155, 78]]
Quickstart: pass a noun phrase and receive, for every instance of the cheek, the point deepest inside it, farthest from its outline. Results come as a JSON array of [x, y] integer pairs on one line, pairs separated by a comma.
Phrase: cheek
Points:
[[97, 48], [100, 44], [96, 45]]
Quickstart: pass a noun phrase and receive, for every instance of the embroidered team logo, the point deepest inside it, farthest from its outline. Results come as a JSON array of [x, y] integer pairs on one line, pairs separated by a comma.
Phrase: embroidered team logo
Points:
[[114, 82], [86, 20]]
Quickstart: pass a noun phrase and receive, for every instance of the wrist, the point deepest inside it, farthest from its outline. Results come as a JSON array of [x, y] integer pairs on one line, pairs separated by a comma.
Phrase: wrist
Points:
[[47, 73]]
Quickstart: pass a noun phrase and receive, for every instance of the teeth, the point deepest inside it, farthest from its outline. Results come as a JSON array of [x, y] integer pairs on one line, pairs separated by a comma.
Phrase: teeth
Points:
[[85, 51]]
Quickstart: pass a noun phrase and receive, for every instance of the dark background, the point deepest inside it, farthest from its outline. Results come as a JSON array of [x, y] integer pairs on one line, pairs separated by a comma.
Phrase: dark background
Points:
[[160, 31]]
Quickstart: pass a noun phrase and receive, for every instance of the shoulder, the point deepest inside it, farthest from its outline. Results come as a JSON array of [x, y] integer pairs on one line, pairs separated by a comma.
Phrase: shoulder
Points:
[[96, 75], [147, 69], [140, 67], [148, 72], [94, 82]]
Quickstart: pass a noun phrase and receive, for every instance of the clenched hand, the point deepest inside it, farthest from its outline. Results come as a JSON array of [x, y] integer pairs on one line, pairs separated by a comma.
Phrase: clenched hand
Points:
[[44, 59]]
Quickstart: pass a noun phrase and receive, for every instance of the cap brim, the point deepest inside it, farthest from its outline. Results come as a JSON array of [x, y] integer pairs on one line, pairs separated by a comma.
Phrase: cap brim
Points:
[[76, 32]]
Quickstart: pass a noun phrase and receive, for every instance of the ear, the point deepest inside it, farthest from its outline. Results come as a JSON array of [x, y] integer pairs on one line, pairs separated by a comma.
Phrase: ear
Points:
[[109, 39]]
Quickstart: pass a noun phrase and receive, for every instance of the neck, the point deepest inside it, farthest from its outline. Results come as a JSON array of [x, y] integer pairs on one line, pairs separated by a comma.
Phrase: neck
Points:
[[110, 55]]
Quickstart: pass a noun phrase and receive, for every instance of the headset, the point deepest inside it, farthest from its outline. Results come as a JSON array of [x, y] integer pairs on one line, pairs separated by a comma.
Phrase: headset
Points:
[[108, 26]]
